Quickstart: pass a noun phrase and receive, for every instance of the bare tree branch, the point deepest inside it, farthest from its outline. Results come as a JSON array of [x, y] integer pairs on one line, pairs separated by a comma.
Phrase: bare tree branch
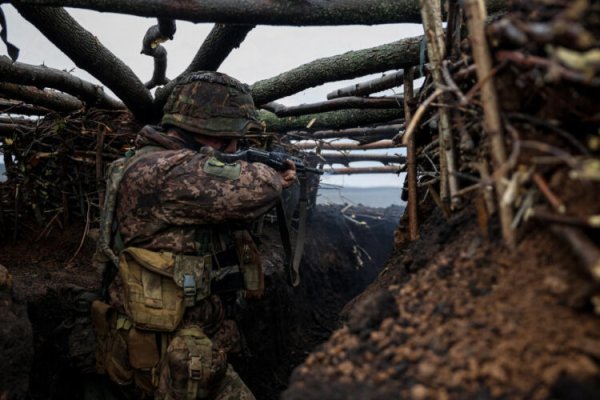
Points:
[[342, 158], [167, 27], [329, 120], [372, 86], [89, 54], [382, 144], [41, 77], [341, 103], [219, 43], [51, 99], [156, 34], [266, 12], [159, 76], [352, 133], [388, 169], [21, 108], [8, 129], [401, 54]]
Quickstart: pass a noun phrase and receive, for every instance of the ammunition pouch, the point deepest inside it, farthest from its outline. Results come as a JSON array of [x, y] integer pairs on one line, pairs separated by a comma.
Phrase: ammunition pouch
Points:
[[158, 286], [190, 367], [126, 354], [250, 264]]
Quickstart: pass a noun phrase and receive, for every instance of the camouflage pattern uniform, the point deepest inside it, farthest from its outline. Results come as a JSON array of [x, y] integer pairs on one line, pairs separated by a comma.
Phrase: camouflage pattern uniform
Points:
[[167, 194], [172, 191]]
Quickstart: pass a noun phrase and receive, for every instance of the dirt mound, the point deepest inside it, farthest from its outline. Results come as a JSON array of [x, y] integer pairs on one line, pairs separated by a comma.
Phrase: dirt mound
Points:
[[16, 355], [457, 316]]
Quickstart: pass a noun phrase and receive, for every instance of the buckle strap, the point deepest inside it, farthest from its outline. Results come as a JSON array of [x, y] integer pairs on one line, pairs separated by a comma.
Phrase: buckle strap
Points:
[[189, 290]]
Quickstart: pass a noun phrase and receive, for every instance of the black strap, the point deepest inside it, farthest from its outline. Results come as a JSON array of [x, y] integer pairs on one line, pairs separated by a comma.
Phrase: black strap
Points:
[[293, 258], [301, 234], [13, 51], [284, 232]]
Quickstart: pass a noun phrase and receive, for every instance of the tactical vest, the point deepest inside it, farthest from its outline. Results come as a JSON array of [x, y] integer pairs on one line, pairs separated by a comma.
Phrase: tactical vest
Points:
[[156, 289], [159, 285]]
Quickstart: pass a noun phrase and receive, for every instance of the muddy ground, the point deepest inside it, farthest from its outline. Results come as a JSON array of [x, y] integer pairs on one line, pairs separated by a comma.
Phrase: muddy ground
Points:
[[454, 315], [343, 254]]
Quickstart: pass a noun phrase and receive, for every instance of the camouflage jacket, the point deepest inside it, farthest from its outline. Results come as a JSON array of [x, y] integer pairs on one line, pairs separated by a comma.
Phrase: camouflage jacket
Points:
[[170, 192]]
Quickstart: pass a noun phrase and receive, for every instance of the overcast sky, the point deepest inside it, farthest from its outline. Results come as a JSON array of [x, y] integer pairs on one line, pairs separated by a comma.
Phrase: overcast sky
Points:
[[266, 52]]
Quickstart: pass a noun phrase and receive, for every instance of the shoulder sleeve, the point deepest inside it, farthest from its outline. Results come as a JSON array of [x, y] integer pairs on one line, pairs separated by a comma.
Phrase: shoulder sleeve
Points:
[[194, 193]]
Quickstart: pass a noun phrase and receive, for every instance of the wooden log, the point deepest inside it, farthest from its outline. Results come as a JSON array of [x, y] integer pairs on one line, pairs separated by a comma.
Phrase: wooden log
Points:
[[89, 54], [540, 214], [531, 61], [300, 13], [353, 64], [432, 24], [330, 120], [382, 144], [51, 99], [8, 129], [21, 108], [386, 81], [45, 77], [219, 43], [411, 162], [159, 74], [492, 124], [164, 30], [582, 246], [346, 159], [217, 46], [390, 169], [351, 133], [341, 103]]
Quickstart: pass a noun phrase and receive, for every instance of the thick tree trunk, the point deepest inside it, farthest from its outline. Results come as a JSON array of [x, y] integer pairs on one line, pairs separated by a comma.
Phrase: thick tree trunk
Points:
[[401, 54], [41, 76], [266, 12], [89, 54], [50, 99], [330, 120]]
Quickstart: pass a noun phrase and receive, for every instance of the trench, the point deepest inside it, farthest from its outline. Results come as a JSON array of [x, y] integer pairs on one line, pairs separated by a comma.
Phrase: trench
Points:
[[345, 248]]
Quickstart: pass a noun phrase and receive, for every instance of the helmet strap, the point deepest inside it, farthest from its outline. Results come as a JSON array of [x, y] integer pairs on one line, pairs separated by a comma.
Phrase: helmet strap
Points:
[[188, 139]]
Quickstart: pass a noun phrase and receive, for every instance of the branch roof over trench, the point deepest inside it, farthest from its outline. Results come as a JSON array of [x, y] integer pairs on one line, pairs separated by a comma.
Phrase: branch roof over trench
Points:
[[89, 54], [265, 12], [400, 54], [42, 76]]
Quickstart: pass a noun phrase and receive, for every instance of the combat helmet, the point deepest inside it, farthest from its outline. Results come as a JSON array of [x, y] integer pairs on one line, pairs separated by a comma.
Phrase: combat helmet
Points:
[[212, 104]]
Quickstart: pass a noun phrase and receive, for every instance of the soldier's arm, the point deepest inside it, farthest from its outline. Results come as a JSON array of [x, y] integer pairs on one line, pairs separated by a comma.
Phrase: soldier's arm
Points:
[[205, 190]]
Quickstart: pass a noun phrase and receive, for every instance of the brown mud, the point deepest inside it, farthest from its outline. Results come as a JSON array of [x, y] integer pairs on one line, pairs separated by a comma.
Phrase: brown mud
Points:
[[454, 315]]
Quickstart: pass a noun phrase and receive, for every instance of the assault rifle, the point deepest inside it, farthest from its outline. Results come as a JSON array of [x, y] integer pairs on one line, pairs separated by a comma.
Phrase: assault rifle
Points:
[[275, 159]]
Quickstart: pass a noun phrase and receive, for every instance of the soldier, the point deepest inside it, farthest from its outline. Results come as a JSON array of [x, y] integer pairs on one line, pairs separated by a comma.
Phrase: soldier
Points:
[[179, 230]]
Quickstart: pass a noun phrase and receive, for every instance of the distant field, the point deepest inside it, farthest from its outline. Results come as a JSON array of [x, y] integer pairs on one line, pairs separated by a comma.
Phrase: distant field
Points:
[[372, 197]]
